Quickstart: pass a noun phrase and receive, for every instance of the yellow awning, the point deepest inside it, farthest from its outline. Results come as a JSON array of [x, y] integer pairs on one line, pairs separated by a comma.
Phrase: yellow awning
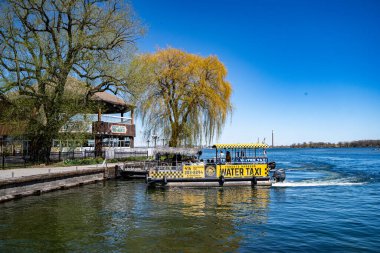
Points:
[[243, 145]]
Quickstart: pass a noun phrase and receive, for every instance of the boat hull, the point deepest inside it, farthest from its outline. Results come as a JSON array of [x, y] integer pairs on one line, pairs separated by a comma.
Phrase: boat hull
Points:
[[208, 182]]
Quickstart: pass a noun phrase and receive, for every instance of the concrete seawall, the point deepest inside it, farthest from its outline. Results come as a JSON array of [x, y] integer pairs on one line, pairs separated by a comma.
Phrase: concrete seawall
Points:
[[13, 188]]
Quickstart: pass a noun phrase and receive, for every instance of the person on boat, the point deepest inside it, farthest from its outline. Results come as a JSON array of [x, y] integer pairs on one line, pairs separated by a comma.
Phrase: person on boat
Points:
[[237, 156], [228, 157], [221, 157]]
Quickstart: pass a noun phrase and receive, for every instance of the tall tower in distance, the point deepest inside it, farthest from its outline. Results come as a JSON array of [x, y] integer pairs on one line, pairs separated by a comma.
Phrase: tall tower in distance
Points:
[[272, 138]]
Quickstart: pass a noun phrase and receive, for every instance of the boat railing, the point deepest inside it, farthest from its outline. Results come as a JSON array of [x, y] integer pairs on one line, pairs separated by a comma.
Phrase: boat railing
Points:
[[176, 167], [241, 160], [254, 159], [169, 168]]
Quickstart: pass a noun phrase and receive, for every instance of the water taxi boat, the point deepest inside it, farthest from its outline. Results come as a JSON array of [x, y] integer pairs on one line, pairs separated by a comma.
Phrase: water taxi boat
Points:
[[233, 164]]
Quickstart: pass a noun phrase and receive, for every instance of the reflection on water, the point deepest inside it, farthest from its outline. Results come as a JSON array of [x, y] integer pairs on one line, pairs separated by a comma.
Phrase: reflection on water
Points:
[[205, 218], [326, 205], [227, 202], [124, 216]]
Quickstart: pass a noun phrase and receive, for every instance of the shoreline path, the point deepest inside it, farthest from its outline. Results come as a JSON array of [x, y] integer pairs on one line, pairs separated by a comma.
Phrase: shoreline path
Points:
[[23, 172]]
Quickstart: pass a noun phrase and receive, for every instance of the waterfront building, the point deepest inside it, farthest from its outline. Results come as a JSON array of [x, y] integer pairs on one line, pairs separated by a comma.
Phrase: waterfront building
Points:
[[110, 126]]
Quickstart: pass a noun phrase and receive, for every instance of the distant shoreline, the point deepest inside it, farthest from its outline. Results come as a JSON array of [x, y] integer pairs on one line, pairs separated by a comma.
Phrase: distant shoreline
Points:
[[376, 147], [352, 144]]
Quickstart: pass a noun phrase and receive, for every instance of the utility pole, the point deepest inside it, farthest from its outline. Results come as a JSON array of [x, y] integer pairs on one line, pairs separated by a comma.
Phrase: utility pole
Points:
[[272, 138]]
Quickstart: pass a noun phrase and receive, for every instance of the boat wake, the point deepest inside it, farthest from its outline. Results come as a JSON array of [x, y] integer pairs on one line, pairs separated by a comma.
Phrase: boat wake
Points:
[[316, 183]]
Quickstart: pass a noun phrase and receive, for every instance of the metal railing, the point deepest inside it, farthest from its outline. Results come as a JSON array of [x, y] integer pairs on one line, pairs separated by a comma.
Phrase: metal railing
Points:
[[126, 154], [240, 160], [116, 119], [9, 161], [139, 166], [61, 156], [20, 160]]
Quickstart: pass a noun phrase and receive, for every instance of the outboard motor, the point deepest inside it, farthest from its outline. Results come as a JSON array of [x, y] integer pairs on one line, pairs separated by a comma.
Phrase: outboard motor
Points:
[[272, 165], [279, 175]]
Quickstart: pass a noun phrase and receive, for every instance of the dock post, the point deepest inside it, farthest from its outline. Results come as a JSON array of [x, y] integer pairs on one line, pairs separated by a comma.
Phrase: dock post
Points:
[[221, 180], [254, 181]]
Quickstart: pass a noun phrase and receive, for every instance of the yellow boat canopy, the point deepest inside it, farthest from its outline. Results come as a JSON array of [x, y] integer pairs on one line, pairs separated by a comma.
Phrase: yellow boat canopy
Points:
[[243, 145]]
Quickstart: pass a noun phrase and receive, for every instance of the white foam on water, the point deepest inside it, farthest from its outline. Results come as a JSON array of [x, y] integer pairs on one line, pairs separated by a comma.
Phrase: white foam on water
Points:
[[315, 183]]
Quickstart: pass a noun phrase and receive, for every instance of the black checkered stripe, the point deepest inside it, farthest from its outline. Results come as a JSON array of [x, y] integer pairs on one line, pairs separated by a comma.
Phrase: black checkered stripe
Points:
[[168, 174]]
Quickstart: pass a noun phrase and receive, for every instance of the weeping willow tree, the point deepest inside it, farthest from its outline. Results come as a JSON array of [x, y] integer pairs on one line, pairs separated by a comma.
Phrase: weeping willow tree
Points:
[[185, 97]]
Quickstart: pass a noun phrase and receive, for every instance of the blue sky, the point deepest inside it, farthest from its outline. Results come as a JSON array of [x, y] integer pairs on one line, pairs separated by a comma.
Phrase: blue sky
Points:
[[308, 69]]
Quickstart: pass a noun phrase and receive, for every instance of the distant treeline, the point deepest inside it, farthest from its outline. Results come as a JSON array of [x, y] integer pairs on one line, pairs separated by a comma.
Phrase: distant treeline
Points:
[[352, 144]]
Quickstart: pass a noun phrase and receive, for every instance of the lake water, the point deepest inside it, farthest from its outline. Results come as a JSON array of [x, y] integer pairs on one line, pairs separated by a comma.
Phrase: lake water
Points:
[[330, 202]]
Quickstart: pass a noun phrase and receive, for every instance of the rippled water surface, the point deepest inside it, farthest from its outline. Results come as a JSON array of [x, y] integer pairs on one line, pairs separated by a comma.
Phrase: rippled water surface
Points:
[[329, 202]]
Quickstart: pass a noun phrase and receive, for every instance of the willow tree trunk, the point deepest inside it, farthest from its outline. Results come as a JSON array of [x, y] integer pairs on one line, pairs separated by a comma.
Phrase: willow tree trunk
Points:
[[173, 142], [174, 138]]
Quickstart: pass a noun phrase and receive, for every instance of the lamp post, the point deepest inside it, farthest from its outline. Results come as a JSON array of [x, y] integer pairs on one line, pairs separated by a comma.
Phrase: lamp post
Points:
[[155, 137], [148, 142], [163, 142]]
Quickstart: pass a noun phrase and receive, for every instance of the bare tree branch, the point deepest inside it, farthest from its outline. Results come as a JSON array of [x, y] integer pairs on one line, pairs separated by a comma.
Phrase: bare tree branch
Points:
[[44, 42]]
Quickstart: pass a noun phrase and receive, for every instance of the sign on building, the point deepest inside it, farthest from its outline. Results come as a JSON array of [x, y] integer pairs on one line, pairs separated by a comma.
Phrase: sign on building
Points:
[[117, 129]]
